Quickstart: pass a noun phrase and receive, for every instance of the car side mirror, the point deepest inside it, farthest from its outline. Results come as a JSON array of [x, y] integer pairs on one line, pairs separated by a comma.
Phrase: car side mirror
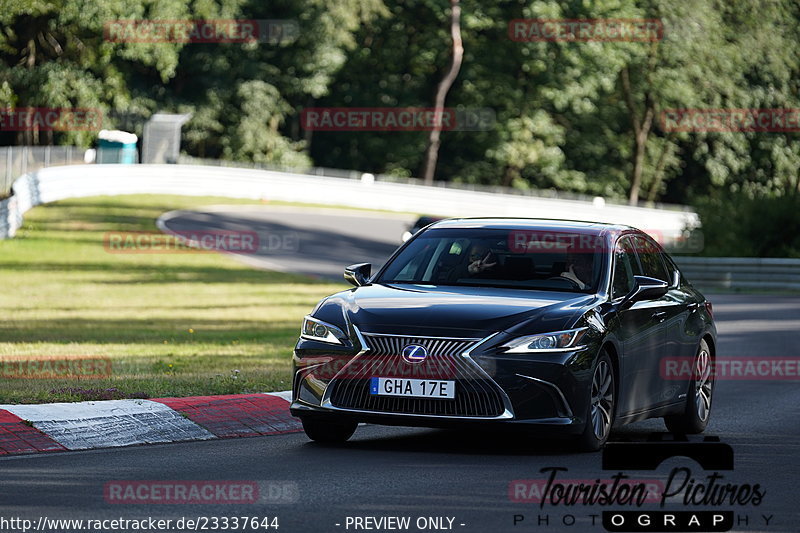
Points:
[[646, 288], [358, 274]]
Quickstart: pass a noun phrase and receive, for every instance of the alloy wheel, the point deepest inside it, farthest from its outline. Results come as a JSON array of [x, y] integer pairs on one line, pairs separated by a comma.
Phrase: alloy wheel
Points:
[[602, 399], [703, 383]]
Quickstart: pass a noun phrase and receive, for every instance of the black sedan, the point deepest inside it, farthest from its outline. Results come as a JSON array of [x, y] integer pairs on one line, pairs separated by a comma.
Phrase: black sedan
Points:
[[565, 328]]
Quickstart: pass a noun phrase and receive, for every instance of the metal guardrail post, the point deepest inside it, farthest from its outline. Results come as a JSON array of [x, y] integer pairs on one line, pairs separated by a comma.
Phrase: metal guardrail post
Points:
[[9, 155]]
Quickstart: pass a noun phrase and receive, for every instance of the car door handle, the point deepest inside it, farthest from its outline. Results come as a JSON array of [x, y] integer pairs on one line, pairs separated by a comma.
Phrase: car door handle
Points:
[[661, 316]]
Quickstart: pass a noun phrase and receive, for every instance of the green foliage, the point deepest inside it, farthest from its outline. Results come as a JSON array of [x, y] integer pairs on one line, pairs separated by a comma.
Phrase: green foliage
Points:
[[737, 224], [256, 136], [54, 54], [567, 113]]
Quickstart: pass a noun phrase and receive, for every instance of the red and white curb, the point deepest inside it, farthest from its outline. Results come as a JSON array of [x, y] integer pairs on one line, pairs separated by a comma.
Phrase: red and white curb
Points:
[[112, 423]]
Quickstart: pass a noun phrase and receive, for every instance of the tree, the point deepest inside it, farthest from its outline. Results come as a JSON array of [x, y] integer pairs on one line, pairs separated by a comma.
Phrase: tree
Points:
[[54, 54], [434, 140], [252, 110]]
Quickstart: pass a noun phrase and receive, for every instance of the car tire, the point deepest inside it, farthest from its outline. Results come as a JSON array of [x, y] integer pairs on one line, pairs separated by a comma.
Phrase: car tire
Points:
[[601, 406], [328, 431], [697, 413]]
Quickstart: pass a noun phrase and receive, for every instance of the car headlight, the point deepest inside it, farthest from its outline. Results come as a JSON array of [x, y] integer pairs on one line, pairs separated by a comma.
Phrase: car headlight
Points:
[[321, 331], [559, 341]]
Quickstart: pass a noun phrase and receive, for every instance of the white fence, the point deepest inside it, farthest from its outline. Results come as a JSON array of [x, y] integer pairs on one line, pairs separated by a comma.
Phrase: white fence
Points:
[[16, 161], [56, 183], [453, 185]]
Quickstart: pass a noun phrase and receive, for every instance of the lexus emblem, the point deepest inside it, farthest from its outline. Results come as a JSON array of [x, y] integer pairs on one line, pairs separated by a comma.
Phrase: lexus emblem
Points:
[[414, 353]]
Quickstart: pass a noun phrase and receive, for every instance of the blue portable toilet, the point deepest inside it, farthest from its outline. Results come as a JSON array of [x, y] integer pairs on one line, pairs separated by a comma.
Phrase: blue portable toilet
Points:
[[115, 146]]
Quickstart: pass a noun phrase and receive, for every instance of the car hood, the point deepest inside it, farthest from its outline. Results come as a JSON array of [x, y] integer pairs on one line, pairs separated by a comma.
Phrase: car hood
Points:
[[452, 311]]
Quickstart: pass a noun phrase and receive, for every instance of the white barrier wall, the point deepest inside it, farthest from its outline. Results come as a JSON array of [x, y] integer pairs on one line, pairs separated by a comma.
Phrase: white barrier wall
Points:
[[57, 183]]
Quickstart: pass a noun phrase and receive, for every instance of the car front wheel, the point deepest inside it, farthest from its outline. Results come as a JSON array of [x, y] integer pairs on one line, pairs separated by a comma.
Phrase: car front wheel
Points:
[[695, 417], [602, 403]]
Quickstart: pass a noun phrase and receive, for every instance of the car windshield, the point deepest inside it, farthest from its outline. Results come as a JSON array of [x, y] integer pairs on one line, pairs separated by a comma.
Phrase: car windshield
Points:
[[517, 258]]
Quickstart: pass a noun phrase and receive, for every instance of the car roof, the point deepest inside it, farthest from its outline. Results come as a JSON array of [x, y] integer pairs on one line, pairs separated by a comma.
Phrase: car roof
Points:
[[580, 226]]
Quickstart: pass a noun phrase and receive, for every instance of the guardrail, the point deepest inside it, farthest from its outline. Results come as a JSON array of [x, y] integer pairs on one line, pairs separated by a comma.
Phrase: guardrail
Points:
[[741, 272], [357, 175], [16, 161], [57, 183]]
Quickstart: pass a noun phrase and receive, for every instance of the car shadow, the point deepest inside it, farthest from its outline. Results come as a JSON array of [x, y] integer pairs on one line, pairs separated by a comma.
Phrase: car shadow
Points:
[[451, 441], [503, 441]]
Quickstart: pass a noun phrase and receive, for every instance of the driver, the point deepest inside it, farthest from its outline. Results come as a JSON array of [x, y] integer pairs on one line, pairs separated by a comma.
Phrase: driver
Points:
[[481, 259], [578, 269]]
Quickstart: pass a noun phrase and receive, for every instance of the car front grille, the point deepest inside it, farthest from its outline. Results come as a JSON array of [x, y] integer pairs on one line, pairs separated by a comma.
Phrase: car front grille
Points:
[[436, 346], [476, 395]]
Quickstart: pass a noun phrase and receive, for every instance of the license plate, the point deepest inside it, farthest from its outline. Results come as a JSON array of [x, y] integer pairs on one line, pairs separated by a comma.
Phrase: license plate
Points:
[[412, 388]]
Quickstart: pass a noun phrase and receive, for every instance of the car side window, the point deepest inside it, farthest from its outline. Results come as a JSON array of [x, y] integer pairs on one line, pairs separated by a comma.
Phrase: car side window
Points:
[[625, 267], [412, 270], [652, 262], [672, 272]]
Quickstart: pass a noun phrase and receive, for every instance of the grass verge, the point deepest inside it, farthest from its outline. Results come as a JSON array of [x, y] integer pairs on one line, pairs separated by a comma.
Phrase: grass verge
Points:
[[174, 324]]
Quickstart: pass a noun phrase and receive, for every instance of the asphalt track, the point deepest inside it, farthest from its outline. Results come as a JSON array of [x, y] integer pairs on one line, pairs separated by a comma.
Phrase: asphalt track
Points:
[[431, 473], [317, 242]]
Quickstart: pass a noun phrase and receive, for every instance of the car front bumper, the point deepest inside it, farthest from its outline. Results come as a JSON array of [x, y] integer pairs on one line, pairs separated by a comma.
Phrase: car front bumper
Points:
[[546, 392]]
